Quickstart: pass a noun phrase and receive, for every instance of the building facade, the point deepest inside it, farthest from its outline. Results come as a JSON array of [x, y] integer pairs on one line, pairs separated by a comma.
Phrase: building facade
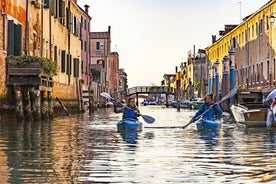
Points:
[[99, 53], [253, 47], [85, 47]]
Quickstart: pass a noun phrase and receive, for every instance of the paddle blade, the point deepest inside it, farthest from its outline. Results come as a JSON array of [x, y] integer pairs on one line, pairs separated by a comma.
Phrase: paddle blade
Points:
[[187, 124], [148, 119], [106, 95]]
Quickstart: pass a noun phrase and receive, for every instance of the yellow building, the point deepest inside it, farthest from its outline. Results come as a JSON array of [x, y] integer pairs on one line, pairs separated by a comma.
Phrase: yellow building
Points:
[[52, 31], [254, 48]]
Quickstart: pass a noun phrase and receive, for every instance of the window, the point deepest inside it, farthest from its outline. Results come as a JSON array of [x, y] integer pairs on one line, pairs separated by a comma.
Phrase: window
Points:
[[55, 53], [63, 61], [76, 67], [261, 27], [82, 66], [99, 46], [256, 28], [267, 23], [262, 71], [69, 64], [253, 31], [85, 46], [14, 35]]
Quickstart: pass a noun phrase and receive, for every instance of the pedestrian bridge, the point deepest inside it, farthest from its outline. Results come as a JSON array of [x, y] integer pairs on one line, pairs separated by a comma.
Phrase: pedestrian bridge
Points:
[[150, 90]]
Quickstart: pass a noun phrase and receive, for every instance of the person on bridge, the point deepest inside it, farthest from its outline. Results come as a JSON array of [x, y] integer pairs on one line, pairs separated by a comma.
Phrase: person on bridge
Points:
[[131, 110], [209, 110]]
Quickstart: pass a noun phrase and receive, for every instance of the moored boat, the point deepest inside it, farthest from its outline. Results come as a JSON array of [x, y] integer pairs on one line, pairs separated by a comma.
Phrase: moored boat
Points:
[[205, 124], [250, 117]]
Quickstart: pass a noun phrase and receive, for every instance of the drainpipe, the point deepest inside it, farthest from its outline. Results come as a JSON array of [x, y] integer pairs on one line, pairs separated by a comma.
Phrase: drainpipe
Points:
[[50, 30], [26, 50], [41, 28]]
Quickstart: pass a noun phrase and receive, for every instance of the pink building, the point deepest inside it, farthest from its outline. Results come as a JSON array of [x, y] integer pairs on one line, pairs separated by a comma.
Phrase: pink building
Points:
[[85, 46]]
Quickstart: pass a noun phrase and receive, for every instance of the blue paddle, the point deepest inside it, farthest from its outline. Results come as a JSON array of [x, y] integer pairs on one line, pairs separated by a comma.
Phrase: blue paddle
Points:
[[146, 118]]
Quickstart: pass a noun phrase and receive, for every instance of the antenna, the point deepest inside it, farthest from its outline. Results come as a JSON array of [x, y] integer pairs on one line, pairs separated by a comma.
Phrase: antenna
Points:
[[240, 11]]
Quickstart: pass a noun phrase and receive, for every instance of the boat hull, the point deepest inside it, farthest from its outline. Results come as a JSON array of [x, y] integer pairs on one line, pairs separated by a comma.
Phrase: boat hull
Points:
[[208, 124], [250, 117], [129, 124], [128, 128]]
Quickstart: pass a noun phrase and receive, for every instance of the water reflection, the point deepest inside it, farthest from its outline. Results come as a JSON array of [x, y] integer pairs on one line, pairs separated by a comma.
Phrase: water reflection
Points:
[[88, 149]]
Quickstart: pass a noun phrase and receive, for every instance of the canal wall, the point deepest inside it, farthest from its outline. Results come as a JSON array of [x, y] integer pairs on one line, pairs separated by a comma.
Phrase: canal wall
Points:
[[9, 110]]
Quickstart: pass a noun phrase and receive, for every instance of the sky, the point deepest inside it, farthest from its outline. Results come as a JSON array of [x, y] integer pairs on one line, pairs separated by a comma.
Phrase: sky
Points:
[[152, 37]]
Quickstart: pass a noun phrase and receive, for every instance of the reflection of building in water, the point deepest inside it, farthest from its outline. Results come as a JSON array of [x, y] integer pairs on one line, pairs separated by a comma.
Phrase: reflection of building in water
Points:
[[66, 152], [4, 168], [40, 152]]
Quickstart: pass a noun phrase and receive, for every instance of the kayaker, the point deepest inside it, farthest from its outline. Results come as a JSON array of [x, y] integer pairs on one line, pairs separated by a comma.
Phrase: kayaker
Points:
[[131, 110], [214, 112]]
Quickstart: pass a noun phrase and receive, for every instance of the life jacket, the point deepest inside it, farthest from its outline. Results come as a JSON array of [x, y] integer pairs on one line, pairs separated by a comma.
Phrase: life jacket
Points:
[[129, 113]]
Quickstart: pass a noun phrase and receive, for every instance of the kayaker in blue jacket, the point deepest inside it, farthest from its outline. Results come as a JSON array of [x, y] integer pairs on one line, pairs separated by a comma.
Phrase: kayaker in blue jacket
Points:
[[131, 110], [214, 112]]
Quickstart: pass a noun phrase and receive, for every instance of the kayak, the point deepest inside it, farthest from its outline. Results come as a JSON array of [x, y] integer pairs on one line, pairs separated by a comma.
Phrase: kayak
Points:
[[128, 128], [129, 124], [205, 124]]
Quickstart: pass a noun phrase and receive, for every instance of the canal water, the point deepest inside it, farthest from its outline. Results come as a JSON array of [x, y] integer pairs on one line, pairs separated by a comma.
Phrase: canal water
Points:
[[88, 149]]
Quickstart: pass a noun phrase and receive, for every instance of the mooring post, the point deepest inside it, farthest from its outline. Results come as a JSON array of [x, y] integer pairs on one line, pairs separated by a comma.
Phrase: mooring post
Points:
[[91, 100], [50, 104], [26, 103], [44, 104], [36, 104], [19, 103]]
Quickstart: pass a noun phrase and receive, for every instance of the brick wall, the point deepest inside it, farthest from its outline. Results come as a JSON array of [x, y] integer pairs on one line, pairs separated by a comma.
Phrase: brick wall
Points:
[[2, 61], [64, 91]]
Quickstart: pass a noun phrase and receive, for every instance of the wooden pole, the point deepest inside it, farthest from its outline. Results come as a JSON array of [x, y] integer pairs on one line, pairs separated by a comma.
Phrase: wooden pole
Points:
[[44, 104], [36, 104], [50, 104], [19, 103], [65, 109], [26, 103]]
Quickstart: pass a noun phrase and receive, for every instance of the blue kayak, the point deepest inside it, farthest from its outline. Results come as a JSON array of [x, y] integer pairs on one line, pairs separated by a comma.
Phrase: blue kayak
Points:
[[129, 124], [205, 124], [128, 129]]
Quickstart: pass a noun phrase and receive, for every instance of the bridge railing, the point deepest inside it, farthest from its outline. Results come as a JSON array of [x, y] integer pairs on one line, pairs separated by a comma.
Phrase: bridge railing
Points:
[[149, 89]]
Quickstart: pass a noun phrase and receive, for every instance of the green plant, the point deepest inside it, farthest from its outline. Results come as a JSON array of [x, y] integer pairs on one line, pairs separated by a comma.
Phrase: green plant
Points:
[[20, 60], [48, 66]]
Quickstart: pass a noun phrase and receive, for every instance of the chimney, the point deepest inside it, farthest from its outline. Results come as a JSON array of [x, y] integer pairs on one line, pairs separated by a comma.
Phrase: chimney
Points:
[[214, 39], [86, 8]]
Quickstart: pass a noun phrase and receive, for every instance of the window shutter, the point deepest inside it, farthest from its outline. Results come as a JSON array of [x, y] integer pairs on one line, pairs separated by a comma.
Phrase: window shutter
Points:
[[63, 61], [18, 38], [10, 37]]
